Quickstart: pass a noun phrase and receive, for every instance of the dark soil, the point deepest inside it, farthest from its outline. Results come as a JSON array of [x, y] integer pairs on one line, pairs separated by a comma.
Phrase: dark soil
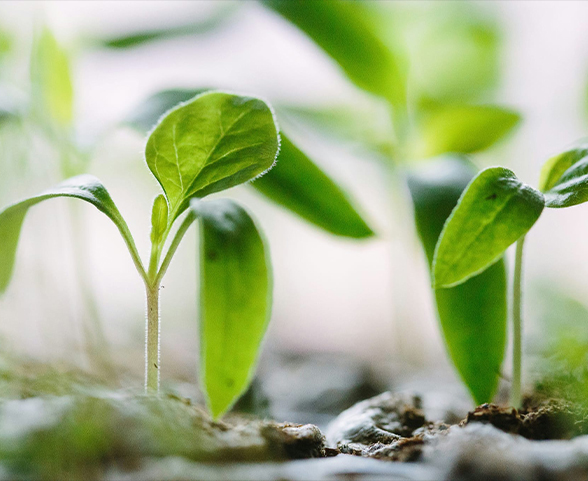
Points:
[[538, 420]]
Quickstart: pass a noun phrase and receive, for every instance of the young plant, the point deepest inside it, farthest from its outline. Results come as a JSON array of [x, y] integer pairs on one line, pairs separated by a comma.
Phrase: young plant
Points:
[[206, 145], [495, 211]]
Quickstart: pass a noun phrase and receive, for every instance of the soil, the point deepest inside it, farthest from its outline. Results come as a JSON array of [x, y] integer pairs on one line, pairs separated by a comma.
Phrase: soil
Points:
[[547, 419], [393, 426]]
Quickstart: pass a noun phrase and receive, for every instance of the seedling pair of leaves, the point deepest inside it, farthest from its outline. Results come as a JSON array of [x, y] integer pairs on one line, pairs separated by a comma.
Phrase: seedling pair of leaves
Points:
[[207, 145], [495, 211], [446, 78]]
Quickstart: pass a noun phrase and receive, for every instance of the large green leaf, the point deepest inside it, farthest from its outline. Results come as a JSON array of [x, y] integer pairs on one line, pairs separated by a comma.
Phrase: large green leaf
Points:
[[83, 187], [495, 211], [209, 144], [463, 129], [473, 314], [564, 178], [295, 182], [235, 300], [52, 90], [344, 31], [299, 185]]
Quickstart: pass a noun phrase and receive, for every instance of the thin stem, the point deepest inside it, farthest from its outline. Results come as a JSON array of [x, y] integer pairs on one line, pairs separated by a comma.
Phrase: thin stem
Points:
[[152, 348], [174, 246], [515, 393], [153, 325]]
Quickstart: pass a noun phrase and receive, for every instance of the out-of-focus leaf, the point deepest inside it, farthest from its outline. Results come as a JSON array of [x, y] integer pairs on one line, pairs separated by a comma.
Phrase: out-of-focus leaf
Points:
[[495, 211], [209, 144], [235, 300], [343, 30], [564, 178], [369, 126], [5, 43], [299, 185], [83, 187], [464, 129], [52, 90], [473, 314], [148, 112], [197, 27], [453, 47]]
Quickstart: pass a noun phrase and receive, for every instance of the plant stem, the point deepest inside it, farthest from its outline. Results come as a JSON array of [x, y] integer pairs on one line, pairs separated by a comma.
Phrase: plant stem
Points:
[[152, 349], [515, 393]]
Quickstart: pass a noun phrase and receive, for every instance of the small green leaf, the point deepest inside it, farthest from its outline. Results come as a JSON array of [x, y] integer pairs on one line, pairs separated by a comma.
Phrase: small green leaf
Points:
[[83, 187], [299, 185], [235, 300], [159, 218], [473, 314], [344, 31], [495, 211], [148, 112], [464, 129], [564, 178], [209, 144], [52, 90]]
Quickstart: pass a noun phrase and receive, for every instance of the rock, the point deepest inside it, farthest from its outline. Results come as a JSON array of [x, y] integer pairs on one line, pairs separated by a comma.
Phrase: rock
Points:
[[389, 426]]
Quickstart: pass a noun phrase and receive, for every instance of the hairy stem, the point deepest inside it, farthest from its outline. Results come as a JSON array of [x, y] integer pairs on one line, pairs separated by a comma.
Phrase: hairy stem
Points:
[[152, 283], [515, 393], [152, 349]]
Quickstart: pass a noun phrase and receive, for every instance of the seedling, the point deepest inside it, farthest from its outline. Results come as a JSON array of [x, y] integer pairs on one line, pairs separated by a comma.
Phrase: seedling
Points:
[[206, 145], [495, 211]]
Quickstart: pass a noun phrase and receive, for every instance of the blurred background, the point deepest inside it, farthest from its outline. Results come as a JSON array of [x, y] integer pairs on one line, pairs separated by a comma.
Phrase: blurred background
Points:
[[359, 313]]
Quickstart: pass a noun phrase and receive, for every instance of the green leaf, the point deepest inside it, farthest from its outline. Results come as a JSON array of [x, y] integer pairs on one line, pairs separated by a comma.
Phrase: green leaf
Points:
[[473, 318], [148, 112], [495, 211], [299, 185], [52, 90], [344, 31], [464, 129], [295, 182], [473, 314], [83, 187], [564, 178], [209, 144], [235, 300]]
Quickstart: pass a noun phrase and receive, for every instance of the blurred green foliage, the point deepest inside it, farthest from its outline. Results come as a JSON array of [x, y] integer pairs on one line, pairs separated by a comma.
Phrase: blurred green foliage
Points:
[[51, 84]]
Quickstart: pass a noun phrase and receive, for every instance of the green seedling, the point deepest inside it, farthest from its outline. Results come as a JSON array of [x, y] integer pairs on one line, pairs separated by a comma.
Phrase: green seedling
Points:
[[206, 145], [495, 211]]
